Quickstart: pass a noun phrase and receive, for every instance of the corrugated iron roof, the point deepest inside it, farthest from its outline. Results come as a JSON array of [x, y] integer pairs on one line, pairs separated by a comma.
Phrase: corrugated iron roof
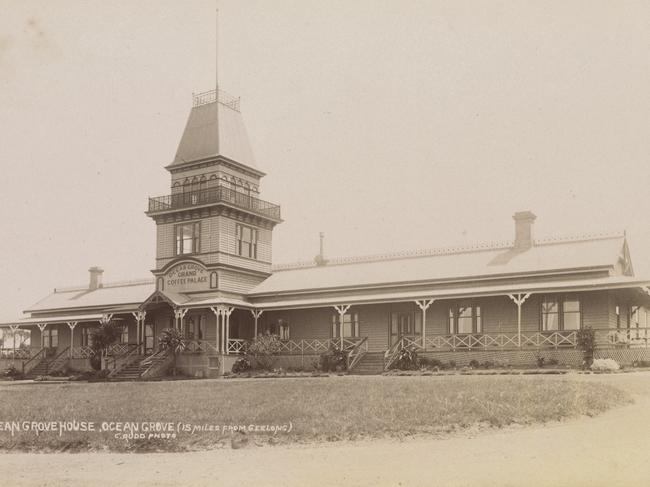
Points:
[[55, 319], [477, 263], [104, 297]]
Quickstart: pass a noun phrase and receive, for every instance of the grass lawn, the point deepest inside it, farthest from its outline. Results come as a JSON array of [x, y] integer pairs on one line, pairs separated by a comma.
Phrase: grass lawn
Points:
[[205, 413]]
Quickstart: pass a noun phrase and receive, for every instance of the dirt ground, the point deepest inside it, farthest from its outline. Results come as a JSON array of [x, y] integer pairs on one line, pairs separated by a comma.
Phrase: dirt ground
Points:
[[608, 450]]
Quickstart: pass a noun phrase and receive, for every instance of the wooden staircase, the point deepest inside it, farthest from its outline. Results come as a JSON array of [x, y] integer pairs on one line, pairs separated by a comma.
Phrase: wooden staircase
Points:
[[138, 366], [47, 365], [132, 371], [372, 363]]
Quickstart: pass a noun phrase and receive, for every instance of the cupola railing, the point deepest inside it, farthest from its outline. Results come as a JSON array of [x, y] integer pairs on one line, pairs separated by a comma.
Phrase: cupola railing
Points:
[[219, 194]]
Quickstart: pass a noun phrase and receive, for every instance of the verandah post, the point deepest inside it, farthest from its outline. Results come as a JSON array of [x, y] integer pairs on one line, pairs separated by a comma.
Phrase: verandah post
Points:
[[139, 328], [14, 329], [217, 313], [72, 325], [228, 312], [424, 305], [41, 327], [342, 309], [519, 301], [256, 314]]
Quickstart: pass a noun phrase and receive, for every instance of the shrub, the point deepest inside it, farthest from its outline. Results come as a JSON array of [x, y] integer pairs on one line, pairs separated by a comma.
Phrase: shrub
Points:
[[242, 364], [12, 373], [264, 349], [540, 362], [641, 363], [96, 361], [586, 341], [407, 359], [605, 365], [501, 364], [553, 361], [473, 364], [488, 364], [431, 363], [334, 360], [103, 337]]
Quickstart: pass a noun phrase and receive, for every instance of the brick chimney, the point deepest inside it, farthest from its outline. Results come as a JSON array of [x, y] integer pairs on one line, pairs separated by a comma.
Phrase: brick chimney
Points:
[[95, 278], [524, 229]]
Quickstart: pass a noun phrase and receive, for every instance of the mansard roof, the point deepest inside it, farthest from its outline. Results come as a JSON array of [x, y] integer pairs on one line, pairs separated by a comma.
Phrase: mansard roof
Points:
[[215, 129]]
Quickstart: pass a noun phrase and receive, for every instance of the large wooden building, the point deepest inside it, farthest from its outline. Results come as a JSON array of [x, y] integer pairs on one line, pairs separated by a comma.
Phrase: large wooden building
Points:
[[213, 279]]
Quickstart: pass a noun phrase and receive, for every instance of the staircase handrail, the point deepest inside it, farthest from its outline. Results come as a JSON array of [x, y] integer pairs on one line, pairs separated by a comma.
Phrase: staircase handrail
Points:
[[391, 354], [112, 359], [127, 359], [51, 365], [41, 353], [150, 363], [357, 352]]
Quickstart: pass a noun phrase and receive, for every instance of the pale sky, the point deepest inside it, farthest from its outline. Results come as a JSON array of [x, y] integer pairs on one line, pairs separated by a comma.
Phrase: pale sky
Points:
[[389, 125]]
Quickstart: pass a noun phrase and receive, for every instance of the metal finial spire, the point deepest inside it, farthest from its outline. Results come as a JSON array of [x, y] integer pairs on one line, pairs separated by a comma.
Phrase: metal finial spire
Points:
[[216, 53]]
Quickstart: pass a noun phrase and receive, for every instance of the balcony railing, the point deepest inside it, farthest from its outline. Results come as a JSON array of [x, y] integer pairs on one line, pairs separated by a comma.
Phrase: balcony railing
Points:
[[218, 194]]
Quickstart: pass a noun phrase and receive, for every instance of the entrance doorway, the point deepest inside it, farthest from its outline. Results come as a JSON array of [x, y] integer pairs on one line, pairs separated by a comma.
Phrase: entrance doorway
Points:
[[149, 341], [50, 341], [402, 324]]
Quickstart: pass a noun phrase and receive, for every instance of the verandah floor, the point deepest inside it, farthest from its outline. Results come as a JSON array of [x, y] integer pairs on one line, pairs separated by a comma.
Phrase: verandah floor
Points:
[[318, 409]]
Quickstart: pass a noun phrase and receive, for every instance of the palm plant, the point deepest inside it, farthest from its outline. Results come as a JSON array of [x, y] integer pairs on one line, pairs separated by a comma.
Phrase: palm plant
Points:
[[171, 339]]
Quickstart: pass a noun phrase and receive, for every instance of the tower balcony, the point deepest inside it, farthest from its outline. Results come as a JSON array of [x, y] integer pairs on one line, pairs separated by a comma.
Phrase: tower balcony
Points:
[[210, 196]]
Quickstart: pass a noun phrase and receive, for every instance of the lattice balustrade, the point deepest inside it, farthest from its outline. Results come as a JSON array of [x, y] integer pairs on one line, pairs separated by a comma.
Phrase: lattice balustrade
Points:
[[82, 352]]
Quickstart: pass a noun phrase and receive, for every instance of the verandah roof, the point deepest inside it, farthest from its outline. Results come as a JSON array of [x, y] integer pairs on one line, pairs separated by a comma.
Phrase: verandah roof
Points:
[[54, 319], [605, 283]]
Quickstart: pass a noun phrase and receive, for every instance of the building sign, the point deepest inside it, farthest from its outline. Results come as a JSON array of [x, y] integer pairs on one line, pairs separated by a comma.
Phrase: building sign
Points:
[[187, 276]]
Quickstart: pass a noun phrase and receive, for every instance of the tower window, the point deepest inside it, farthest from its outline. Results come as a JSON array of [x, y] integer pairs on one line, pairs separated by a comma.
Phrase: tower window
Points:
[[247, 241], [188, 238]]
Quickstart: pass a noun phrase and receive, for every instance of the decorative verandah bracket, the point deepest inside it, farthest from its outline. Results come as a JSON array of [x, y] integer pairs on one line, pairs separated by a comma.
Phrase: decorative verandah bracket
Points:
[[41, 327], [424, 304], [519, 300], [139, 326], [646, 289], [72, 325], [256, 314], [341, 310], [106, 318]]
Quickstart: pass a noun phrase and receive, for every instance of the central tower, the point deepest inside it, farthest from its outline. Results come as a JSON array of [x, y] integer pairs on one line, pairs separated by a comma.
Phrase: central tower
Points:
[[213, 231]]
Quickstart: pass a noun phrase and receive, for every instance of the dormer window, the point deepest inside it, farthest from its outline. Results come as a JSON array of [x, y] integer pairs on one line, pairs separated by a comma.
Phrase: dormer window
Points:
[[188, 238]]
